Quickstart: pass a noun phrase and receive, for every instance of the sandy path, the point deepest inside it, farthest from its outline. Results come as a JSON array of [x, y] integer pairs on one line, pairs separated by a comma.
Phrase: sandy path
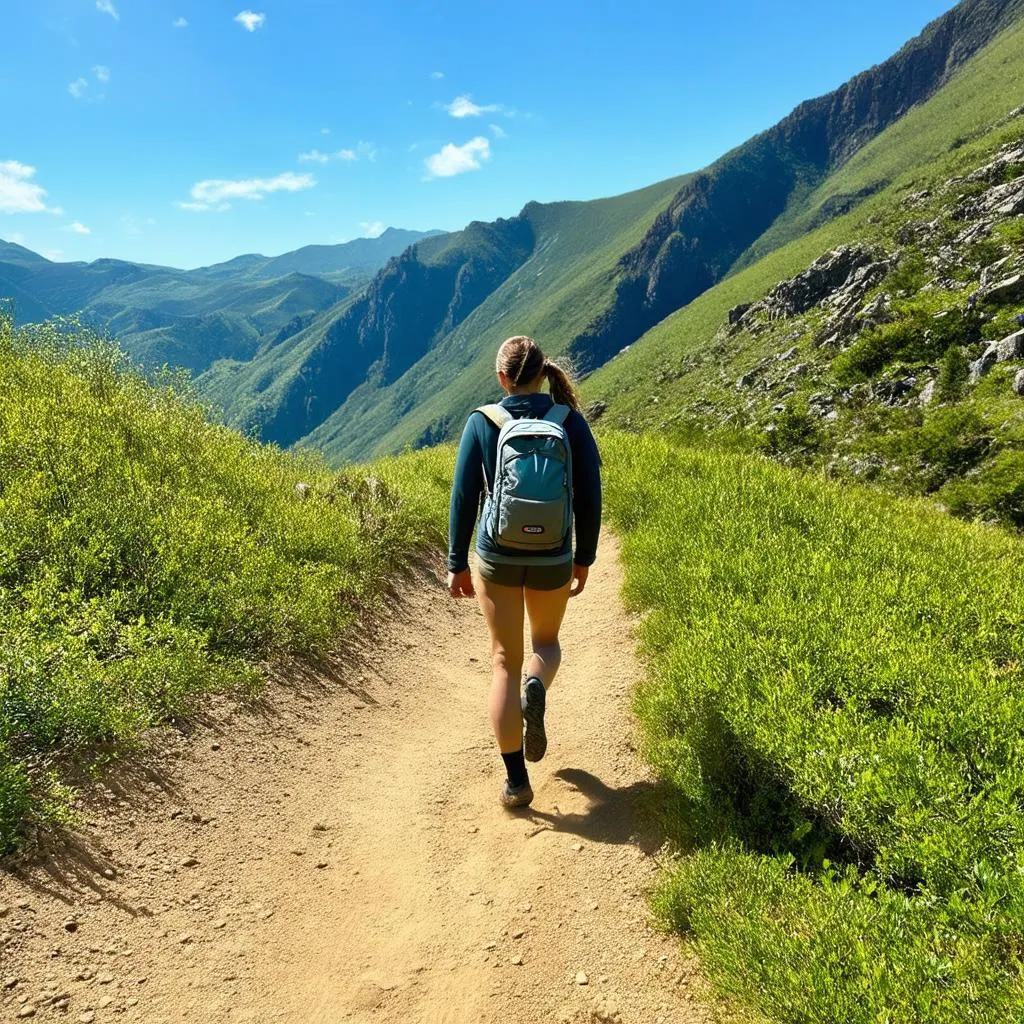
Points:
[[338, 854]]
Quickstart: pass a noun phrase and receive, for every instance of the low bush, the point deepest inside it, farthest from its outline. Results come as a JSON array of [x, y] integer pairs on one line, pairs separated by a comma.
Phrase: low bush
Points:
[[835, 702], [148, 557]]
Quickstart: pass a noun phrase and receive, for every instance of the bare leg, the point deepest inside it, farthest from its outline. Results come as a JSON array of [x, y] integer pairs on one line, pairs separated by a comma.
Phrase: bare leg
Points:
[[546, 609], [503, 610]]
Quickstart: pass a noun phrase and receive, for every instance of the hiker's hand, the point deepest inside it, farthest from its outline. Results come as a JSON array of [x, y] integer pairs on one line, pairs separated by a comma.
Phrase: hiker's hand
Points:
[[579, 574], [460, 584]]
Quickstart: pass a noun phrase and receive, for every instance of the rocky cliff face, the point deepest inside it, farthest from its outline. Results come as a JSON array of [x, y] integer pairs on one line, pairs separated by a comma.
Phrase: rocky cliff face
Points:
[[720, 213], [418, 297]]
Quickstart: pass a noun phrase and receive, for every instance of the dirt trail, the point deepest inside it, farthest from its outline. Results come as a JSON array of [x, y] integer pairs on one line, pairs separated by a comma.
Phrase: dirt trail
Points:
[[337, 854]]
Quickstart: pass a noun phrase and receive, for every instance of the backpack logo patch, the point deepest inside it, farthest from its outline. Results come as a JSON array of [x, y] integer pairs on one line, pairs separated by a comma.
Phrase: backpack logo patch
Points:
[[533, 529]]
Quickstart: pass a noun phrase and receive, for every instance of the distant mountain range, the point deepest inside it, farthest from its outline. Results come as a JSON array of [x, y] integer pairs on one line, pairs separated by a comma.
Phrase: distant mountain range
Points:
[[191, 318]]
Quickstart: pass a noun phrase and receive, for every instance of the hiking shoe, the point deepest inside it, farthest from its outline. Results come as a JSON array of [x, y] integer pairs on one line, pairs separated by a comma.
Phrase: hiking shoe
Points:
[[520, 796], [535, 744]]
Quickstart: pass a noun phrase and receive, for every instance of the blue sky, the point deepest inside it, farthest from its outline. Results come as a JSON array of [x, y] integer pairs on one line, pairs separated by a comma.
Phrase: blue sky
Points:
[[188, 131]]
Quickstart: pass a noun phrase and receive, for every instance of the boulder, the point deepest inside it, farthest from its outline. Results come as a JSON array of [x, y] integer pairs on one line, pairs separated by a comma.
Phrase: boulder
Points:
[[980, 367], [1009, 157], [1011, 289], [746, 381], [737, 313], [989, 274], [1018, 384], [1010, 348], [1005, 200], [595, 411]]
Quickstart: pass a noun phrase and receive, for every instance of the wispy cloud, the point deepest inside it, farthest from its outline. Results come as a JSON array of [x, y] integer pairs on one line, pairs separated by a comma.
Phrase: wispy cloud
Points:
[[215, 194], [19, 193], [102, 73], [497, 131], [452, 159], [107, 7], [373, 228], [78, 228], [437, 75], [463, 106], [361, 151], [180, 23], [78, 88], [250, 21]]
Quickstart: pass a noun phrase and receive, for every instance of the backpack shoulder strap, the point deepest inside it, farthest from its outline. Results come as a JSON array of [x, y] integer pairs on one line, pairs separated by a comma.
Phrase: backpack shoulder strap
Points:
[[497, 414], [558, 414]]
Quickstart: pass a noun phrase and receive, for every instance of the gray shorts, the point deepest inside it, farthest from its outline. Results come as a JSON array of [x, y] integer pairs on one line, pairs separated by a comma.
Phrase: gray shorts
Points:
[[531, 577]]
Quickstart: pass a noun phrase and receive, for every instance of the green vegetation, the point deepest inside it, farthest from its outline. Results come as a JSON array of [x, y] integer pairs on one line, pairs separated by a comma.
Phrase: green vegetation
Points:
[[857, 408], [148, 557], [835, 703]]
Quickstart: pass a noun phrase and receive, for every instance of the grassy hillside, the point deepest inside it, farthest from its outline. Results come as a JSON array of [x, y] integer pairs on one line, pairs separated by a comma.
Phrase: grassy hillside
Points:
[[148, 557], [835, 705], [854, 397], [568, 274]]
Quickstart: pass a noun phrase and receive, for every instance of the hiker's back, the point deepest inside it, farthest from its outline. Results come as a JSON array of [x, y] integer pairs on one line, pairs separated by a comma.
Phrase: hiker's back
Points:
[[529, 504]]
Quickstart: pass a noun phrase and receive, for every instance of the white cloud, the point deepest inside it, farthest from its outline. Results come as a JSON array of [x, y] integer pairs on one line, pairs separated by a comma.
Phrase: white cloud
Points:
[[78, 87], [437, 75], [463, 106], [361, 151], [373, 228], [452, 159], [250, 21], [102, 73], [18, 193], [203, 207], [107, 7], [180, 23], [497, 131], [78, 228], [214, 194]]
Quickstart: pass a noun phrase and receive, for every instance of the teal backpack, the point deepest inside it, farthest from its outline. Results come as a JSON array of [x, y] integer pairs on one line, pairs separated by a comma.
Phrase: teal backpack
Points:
[[528, 507]]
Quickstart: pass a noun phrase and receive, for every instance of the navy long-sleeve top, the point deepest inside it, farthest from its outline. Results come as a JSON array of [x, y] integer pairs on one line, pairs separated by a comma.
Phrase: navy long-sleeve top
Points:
[[478, 452]]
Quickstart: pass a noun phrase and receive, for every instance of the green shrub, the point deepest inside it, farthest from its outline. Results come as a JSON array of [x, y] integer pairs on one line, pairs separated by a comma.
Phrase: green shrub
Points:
[[836, 704], [997, 491], [916, 335], [954, 372], [148, 557]]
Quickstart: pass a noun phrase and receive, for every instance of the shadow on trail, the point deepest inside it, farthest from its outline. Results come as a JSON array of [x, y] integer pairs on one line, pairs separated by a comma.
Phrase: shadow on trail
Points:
[[618, 817]]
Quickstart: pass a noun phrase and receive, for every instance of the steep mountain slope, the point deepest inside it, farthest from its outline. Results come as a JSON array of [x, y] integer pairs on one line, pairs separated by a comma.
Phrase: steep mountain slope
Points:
[[568, 273], [723, 211], [850, 346], [191, 318]]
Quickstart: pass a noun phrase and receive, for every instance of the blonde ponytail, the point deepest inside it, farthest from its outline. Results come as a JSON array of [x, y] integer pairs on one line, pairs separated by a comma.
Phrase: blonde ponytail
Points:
[[563, 390]]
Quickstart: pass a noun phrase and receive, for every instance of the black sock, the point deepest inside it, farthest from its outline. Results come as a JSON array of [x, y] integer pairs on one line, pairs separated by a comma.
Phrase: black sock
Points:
[[515, 767]]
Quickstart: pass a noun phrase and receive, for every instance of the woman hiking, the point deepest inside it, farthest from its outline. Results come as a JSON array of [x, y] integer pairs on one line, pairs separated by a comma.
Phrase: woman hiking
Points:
[[534, 461]]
